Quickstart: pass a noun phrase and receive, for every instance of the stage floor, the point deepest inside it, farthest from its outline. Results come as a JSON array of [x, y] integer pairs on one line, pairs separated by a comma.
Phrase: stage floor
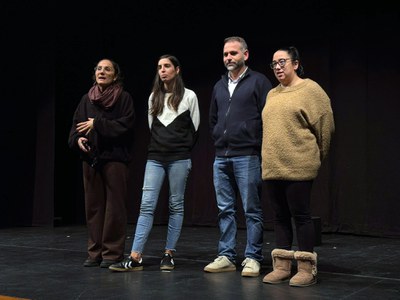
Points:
[[46, 263]]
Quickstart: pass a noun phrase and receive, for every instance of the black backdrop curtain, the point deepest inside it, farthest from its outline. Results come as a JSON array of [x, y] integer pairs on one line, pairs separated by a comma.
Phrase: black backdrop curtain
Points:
[[350, 52]]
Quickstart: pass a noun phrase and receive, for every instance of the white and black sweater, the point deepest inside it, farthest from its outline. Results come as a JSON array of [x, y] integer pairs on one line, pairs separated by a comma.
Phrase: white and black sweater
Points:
[[174, 133]]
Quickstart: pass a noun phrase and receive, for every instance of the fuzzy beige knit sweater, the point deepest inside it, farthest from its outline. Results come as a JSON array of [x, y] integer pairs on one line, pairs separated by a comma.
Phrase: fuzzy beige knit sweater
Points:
[[297, 128]]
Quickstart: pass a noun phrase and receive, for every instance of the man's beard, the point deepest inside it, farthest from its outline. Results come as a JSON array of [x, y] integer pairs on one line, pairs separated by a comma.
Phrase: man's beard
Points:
[[235, 66]]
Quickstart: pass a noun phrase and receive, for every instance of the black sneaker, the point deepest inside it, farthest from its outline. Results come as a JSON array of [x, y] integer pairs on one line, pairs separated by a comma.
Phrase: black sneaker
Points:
[[128, 264], [167, 262]]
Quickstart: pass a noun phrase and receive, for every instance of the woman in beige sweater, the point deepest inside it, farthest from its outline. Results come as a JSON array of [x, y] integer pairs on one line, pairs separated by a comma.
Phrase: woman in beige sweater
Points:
[[297, 128]]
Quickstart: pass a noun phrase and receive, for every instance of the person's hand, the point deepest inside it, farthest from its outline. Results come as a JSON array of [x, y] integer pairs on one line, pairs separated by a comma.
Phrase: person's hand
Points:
[[85, 127], [83, 144]]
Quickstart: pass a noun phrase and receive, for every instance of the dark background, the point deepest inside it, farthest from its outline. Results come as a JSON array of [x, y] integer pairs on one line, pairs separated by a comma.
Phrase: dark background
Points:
[[50, 49]]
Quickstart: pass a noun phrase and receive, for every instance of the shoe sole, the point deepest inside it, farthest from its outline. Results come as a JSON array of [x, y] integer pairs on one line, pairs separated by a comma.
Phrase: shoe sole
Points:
[[247, 274], [91, 265], [303, 285], [166, 268], [126, 270], [230, 269], [276, 282]]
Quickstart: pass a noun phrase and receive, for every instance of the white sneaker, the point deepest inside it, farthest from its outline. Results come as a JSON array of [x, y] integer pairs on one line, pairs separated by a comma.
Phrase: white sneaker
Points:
[[251, 268], [220, 264]]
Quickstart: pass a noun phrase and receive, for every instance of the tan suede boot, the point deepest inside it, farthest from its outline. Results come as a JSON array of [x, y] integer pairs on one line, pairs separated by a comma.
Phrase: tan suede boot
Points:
[[282, 266], [306, 269]]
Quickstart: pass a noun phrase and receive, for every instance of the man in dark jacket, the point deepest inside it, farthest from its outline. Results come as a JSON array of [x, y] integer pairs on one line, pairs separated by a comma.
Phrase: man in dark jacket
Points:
[[236, 127]]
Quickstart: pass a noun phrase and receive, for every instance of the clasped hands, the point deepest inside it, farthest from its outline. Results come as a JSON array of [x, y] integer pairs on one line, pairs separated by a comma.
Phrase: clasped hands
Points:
[[84, 127]]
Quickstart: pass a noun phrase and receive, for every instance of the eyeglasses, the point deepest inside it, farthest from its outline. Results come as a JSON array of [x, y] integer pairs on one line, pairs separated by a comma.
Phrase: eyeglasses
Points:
[[281, 62], [107, 69]]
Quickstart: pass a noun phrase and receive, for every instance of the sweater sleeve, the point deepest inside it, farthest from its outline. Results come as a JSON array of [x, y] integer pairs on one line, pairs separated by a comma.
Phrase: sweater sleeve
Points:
[[265, 87], [324, 129], [324, 125], [213, 111], [79, 116], [149, 115], [194, 111], [116, 127]]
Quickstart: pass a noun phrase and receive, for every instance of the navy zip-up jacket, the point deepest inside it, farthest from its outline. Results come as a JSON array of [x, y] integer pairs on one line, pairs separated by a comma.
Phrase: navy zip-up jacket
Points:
[[235, 122]]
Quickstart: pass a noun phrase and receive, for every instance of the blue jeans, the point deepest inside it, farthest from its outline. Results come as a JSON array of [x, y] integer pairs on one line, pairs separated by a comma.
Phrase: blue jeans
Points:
[[243, 174], [177, 172]]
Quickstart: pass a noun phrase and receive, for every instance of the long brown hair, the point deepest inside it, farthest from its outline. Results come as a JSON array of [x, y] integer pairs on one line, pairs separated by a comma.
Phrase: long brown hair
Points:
[[177, 90]]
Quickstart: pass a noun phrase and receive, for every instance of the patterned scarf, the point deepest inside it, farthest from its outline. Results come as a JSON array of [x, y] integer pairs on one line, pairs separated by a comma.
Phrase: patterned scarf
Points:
[[107, 98]]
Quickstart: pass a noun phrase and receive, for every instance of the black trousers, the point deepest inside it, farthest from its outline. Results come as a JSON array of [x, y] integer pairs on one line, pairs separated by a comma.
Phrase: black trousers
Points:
[[106, 192], [291, 200]]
